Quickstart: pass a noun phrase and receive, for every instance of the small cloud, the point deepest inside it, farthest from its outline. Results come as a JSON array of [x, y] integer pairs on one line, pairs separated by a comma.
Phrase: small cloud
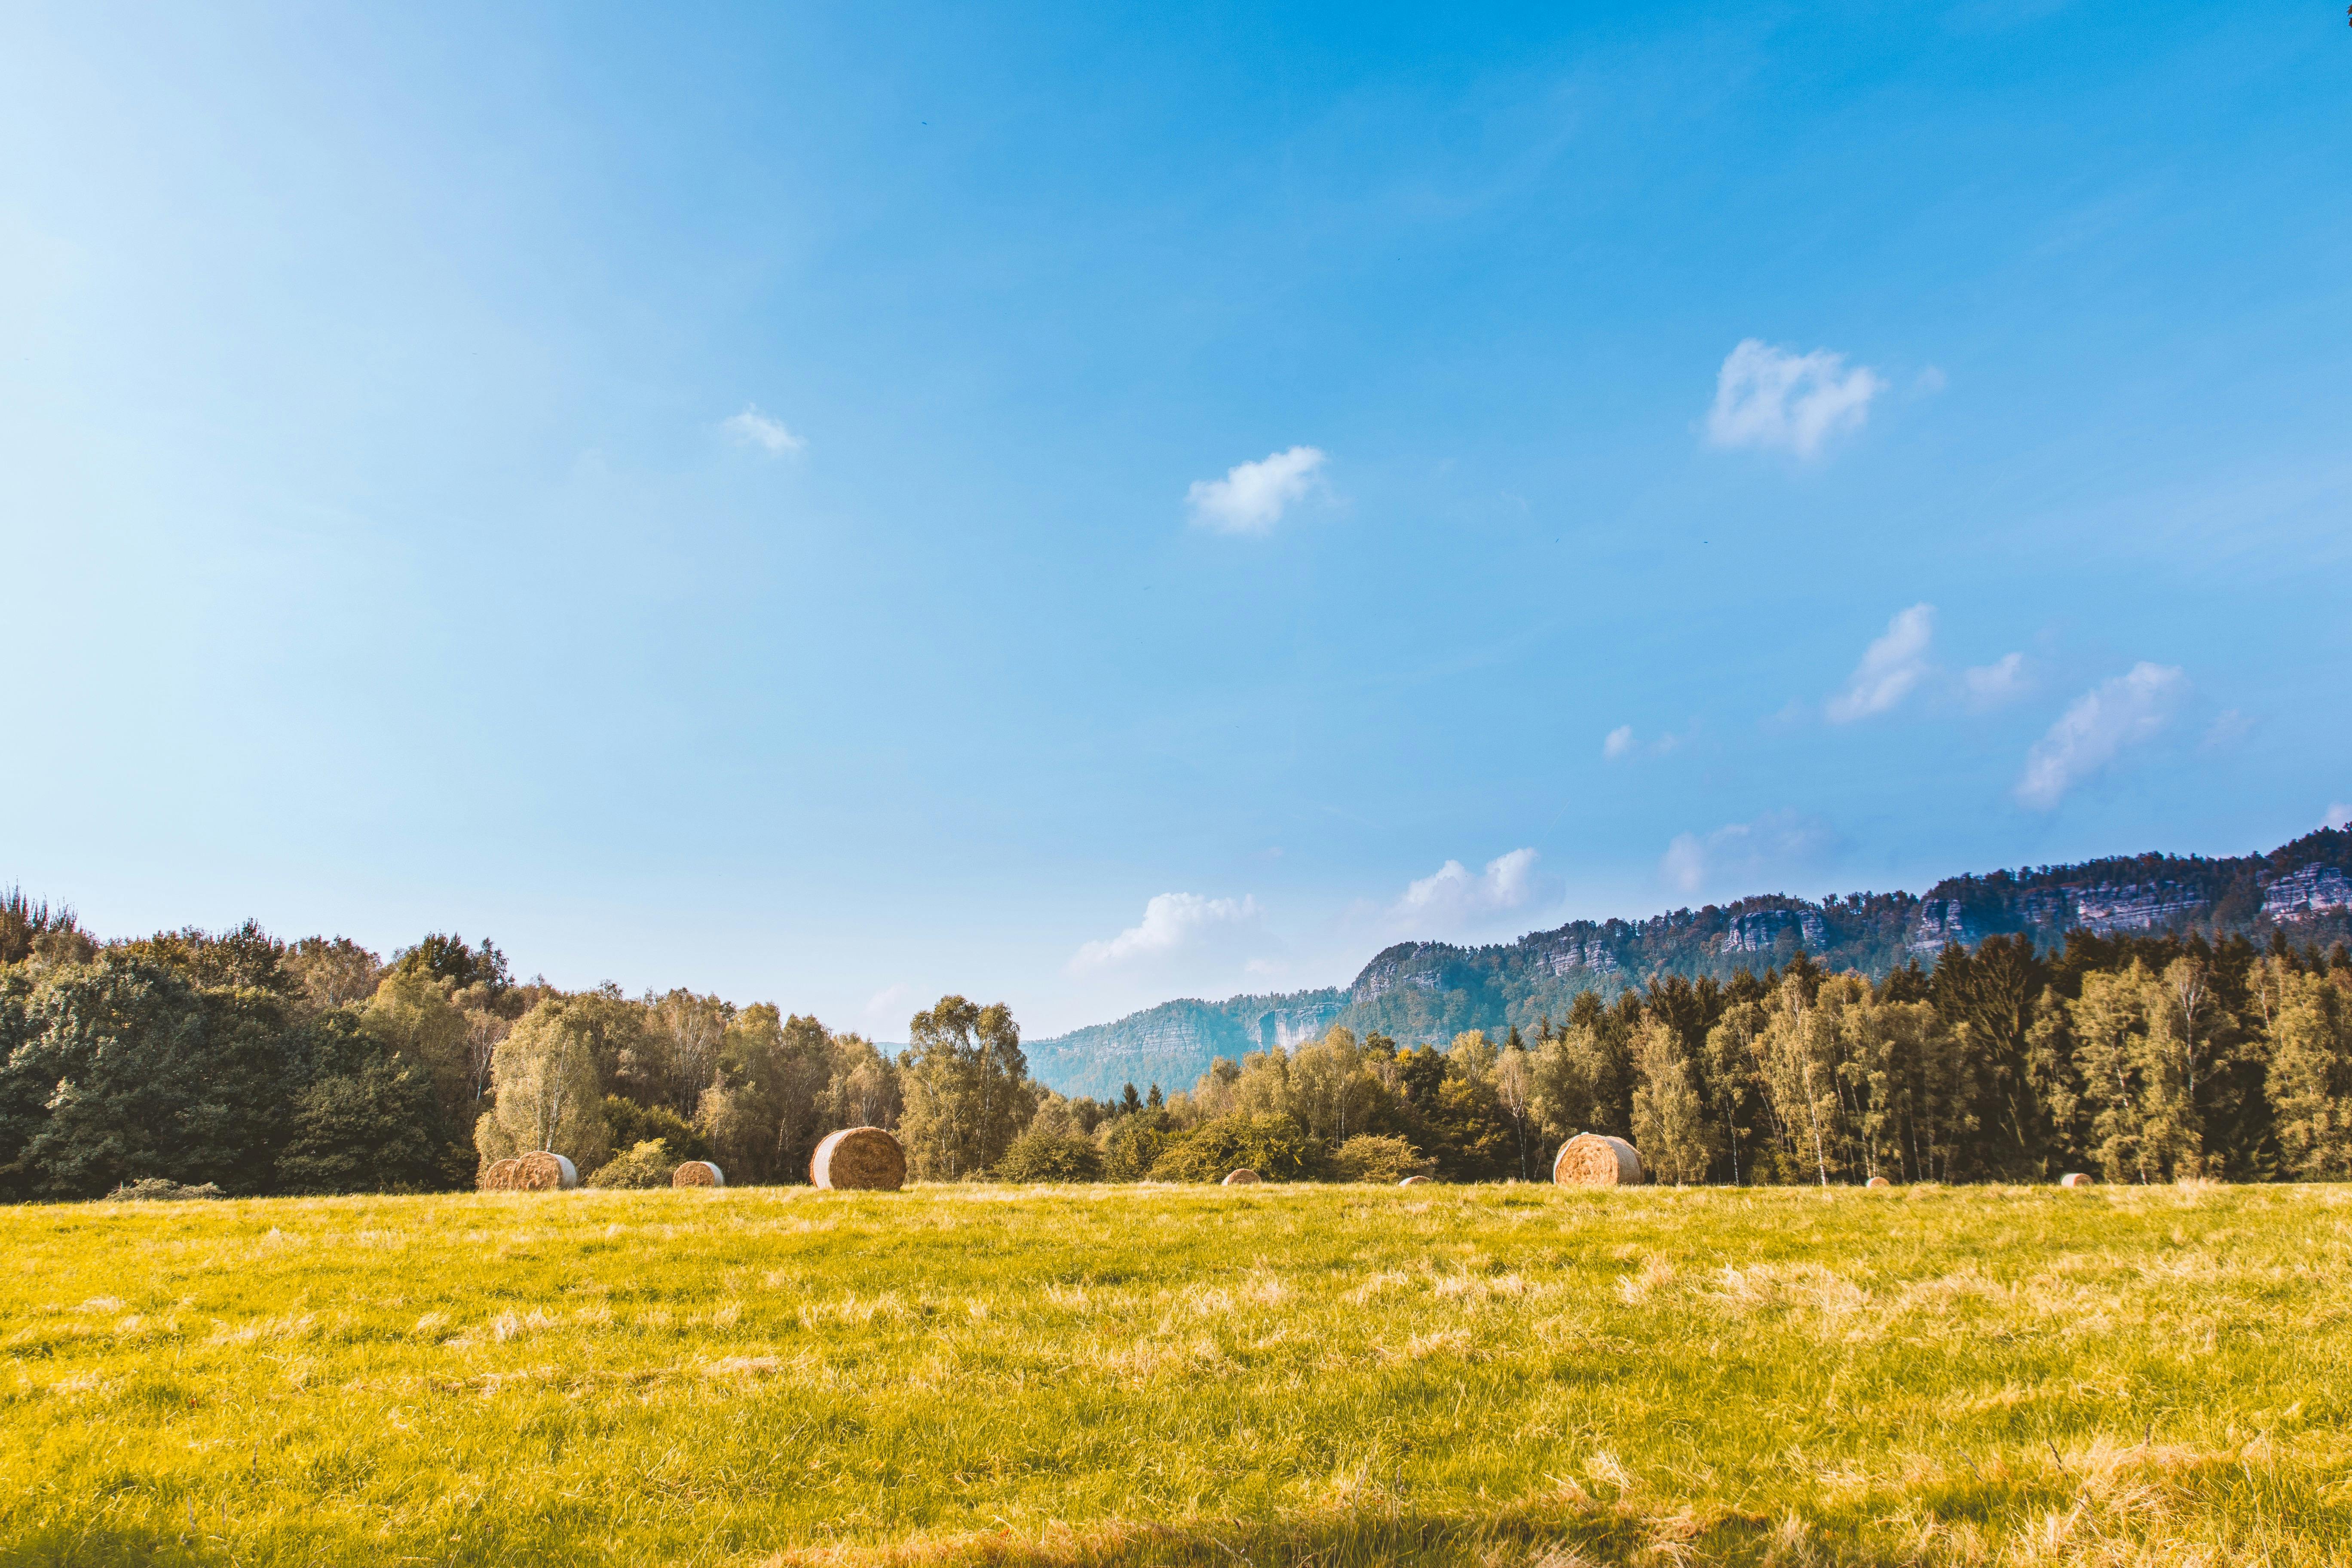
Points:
[[1929, 383], [1771, 399], [754, 428], [1173, 923], [1252, 497], [890, 1001], [1451, 900], [1621, 743], [2117, 714], [1890, 668], [1992, 685], [1776, 844], [2338, 816]]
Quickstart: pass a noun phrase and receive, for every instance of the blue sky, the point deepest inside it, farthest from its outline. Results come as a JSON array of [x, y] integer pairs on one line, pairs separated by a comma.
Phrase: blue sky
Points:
[[1080, 507]]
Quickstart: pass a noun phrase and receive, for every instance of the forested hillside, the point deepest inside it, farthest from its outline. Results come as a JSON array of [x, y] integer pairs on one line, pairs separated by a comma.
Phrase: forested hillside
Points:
[[2150, 1019], [1431, 992]]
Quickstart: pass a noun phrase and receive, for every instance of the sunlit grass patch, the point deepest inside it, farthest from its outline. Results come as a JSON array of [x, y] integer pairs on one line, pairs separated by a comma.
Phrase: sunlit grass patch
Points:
[[1120, 1374]]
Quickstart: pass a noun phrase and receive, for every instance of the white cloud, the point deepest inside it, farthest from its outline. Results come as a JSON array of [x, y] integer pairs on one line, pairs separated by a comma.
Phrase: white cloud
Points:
[[2338, 816], [1252, 497], [2116, 714], [1779, 843], [1451, 900], [1929, 382], [1890, 666], [1173, 923], [754, 428], [1770, 398], [1622, 743], [1991, 685]]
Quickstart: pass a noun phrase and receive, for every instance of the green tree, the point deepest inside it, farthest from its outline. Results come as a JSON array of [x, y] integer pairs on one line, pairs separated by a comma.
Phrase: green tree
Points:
[[545, 1090], [411, 1016], [2309, 1076], [123, 1069], [1670, 1124], [966, 1085]]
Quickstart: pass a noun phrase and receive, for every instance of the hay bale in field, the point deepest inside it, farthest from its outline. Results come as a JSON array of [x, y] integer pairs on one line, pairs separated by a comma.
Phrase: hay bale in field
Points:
[[2076, 1179], [1414, 1181], [1597, 1160], [1878, 1182], [861, 1159], [499, 1175], [544, 1171], [698, 1173], [1241, 1178]]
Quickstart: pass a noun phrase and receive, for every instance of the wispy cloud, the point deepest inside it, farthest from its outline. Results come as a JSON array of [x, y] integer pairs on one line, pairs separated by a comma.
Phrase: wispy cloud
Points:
[[2104, 722], [754, 428], [1891, 667], [1252, 497], [2003, 680], [1771, 399], [1622, 743], [1778, 844], [2338, 816], [1173, 924]]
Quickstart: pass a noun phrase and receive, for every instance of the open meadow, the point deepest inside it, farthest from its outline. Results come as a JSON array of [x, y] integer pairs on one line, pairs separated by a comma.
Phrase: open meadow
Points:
[[1493, 1374]]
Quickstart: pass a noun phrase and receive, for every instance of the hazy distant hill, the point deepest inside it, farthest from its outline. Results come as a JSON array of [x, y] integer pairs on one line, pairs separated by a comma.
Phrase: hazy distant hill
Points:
[[1432, 991]]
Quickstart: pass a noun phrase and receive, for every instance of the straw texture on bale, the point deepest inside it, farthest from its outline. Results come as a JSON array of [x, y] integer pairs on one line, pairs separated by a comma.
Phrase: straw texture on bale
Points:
[[1414, 1182], [1597, 1160], [542, 1171], [2075, 1179], [862, 1159], [698, 1173], [1878, 1182], [499, 1175], [1241, 1178]]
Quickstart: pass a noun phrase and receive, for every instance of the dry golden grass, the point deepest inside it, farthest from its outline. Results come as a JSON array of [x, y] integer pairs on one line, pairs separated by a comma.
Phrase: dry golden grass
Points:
[[1497, 1375]]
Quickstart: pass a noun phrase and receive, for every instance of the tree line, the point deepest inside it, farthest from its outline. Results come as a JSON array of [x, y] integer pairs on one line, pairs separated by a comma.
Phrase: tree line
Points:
[[258, 1065]]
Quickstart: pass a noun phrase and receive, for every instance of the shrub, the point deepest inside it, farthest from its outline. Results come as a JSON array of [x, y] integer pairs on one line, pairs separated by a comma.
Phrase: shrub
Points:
[[1132, 1144], [633, 1124], [647, 1165], [1276, 1147], [1379, 1157], [1051, 1154]]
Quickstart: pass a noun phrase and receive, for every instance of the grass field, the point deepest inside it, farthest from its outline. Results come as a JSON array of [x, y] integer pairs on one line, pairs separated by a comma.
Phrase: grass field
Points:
[[1335, 1374]]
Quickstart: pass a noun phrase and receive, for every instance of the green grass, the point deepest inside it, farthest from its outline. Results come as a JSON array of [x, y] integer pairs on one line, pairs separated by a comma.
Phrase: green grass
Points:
[[1335, 1374]]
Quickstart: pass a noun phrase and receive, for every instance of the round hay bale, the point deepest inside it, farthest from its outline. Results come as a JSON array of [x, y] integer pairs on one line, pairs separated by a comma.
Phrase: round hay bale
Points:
[[1414, 1182], [1241, 1178], [2076, 1179], [1878, 1182], [698, 1173], [499, 1175], [543, 1172], [1597, 1160], [862, 1159]]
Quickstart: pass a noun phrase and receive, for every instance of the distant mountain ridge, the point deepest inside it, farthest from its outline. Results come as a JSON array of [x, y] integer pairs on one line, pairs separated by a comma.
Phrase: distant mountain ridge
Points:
[[1430, 991]]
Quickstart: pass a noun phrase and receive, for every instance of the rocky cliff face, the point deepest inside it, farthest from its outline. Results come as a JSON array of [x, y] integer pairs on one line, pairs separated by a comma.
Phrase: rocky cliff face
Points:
[[1427, 991]]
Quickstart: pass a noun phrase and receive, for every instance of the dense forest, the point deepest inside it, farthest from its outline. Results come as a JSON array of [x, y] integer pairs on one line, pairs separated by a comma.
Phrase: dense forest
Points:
[[1420, 992], [240, 1063]]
